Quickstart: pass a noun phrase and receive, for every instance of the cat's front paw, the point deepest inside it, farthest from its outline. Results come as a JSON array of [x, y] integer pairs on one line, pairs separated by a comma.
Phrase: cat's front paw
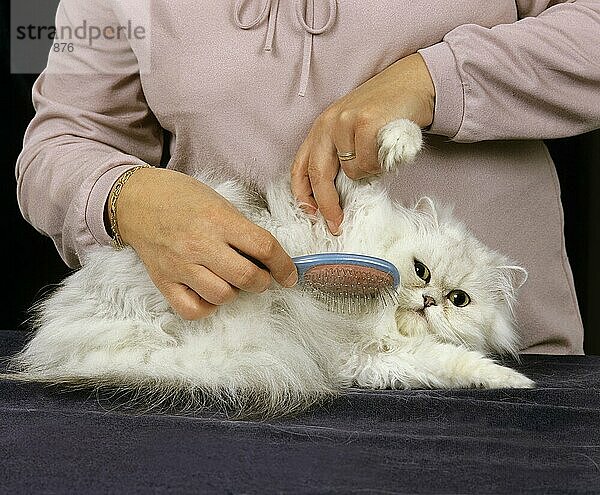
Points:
[[502, 377], [399, 142]]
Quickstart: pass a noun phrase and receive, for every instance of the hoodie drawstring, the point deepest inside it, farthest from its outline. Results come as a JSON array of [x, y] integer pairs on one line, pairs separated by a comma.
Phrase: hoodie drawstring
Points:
[[305, 11]]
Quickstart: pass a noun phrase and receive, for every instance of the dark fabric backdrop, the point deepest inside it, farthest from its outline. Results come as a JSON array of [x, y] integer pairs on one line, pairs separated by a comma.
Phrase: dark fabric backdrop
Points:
[[544, 440], [33, 265]]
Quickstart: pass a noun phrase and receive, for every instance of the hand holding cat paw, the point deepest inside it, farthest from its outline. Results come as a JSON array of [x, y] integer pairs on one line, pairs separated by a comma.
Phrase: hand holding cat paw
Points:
[[195, 245], [352, 125]]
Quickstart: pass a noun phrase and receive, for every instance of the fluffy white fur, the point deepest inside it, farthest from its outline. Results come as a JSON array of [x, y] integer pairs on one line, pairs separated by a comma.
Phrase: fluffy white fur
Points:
[[279, 352]]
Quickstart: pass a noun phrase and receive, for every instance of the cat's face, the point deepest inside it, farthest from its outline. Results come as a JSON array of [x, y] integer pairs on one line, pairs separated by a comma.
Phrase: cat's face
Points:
[[452, 286]]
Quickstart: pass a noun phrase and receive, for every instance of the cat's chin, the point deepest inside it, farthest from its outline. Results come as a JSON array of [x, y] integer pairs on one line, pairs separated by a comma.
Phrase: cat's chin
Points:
[[412, 323]]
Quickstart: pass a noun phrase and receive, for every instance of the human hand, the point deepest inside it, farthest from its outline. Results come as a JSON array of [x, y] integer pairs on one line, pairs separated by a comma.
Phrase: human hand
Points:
[[190, 239], [351, 124]]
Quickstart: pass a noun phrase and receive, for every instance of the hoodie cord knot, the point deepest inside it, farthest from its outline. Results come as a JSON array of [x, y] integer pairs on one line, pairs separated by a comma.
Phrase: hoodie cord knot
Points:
[[305, 12]]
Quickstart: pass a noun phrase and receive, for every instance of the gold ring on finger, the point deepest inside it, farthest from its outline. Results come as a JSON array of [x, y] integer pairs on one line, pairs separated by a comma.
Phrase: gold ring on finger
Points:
[[344, 157]]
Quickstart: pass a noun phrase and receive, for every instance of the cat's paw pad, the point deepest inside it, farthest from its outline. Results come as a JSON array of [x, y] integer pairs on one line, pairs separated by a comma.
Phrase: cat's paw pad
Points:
[[399, 142]]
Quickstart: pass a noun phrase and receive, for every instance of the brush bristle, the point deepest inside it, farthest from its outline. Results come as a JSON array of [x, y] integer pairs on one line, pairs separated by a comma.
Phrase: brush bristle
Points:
[[348, 288]]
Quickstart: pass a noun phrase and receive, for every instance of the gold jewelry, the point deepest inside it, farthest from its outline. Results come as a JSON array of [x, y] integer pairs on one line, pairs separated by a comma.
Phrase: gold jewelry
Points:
[[344, 157], [112, 204]]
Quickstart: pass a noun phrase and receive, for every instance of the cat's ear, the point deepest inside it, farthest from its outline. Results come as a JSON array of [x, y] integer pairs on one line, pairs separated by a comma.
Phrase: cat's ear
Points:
[[517, 275], [427, 206]]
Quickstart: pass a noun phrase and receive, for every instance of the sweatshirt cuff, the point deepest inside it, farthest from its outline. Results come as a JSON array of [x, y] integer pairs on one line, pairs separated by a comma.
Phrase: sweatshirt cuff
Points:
[[94, 208], [449, 94]]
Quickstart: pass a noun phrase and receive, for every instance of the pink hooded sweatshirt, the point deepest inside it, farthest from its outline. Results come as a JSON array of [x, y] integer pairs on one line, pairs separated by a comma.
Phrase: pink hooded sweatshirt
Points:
[[239, 90]]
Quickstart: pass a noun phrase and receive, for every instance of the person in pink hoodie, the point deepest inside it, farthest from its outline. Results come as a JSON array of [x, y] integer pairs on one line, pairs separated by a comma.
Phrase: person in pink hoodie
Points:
[[255, 88]]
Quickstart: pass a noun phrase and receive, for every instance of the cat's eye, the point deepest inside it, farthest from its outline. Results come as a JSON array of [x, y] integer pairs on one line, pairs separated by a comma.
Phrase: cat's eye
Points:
[[459, 298], [422, 271]]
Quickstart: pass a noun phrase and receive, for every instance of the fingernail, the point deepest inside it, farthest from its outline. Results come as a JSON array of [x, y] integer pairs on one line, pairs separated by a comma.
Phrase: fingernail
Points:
[[333, 228], [307, 208], [291, 280]]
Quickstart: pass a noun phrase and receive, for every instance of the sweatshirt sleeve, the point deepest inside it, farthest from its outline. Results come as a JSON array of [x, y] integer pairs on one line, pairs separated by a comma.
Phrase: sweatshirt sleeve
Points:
[[537, 78], [91, 124]]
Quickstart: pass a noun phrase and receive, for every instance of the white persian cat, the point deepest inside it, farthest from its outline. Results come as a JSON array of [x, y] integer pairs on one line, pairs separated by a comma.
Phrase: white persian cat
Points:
[[276, 353]]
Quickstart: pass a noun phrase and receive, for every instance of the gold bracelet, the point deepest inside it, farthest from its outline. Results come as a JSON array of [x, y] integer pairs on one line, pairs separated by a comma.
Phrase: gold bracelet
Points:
[[112, 205]]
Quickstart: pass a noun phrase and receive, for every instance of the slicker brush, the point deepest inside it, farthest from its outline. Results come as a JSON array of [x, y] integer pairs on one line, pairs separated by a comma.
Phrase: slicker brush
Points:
[[348, 283]]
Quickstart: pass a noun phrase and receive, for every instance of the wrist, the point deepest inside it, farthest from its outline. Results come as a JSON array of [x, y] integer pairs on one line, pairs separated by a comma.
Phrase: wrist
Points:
[[426, 89], [111, 214], [414, 88]]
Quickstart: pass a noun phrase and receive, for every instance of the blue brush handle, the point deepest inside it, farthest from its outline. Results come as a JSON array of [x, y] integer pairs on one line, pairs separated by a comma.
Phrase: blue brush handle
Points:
[[308, 261]]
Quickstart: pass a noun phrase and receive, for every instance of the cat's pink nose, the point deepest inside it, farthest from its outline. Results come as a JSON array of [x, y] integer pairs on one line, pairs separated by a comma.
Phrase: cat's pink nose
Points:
[[428, 301]]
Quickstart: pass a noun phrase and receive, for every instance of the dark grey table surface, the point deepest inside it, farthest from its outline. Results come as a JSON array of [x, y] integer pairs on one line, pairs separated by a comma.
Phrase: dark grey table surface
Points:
[[544, 440]]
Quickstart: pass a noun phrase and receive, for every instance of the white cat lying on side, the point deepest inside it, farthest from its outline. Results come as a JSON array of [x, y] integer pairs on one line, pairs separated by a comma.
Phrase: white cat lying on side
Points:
[[278, 352]]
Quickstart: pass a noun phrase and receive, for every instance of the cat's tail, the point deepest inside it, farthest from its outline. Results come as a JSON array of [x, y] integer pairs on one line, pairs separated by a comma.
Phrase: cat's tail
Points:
[[148, 366], [108, 329]]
